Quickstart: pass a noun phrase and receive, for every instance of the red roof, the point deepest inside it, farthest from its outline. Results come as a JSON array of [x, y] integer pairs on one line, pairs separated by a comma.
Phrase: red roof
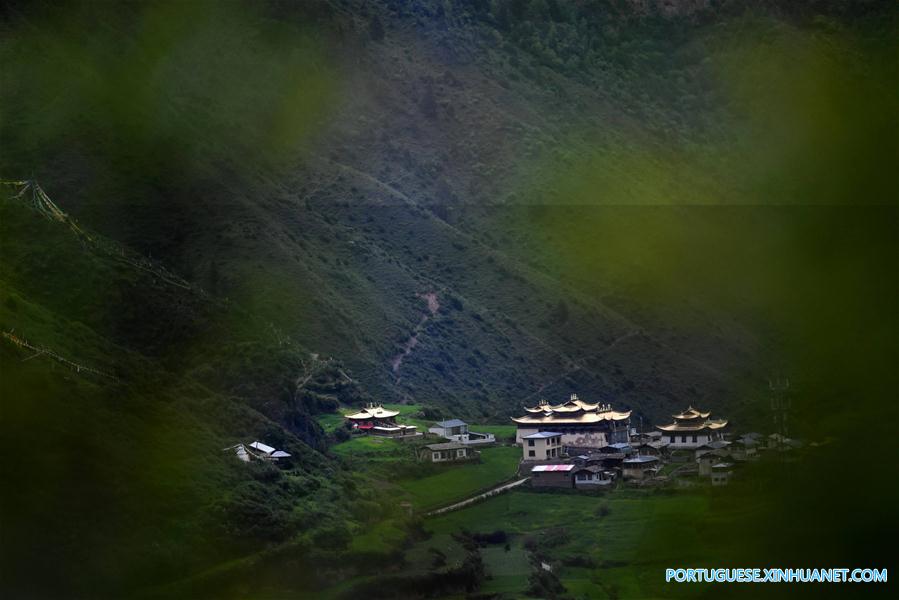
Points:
[[544, 468]]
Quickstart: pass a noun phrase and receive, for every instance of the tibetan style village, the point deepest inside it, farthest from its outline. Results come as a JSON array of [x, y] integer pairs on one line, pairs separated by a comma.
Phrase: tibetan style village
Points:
[[507, 495], [445, 299], [575, 444]]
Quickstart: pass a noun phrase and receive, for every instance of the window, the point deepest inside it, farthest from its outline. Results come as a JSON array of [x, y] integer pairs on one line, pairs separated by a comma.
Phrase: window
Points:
[[694, 439], [671, 439], [530, 442], [683, 439], [435, 456], [460, 452], [531, 453]]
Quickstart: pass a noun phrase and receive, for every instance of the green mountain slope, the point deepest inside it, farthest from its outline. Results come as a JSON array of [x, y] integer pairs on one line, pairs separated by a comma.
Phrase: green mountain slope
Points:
[[466, 205]]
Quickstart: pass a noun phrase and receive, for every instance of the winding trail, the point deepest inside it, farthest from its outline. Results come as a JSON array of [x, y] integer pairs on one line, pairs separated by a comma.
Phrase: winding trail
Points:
[[433, 307], [463, 503]]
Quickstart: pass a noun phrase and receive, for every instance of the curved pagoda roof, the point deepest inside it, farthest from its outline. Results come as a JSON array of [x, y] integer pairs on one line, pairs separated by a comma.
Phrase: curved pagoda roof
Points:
[[574, 411], [691, 413], [693, 420], [373, 411]]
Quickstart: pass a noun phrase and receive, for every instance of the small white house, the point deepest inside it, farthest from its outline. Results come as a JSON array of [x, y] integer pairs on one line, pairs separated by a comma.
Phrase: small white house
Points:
[[266, 452], [449, 429], [639, 467], [447, 452], [543, 445], [711, 447], [263, 448], [240, 451], [592, 477], [458, 431], [721, 473]]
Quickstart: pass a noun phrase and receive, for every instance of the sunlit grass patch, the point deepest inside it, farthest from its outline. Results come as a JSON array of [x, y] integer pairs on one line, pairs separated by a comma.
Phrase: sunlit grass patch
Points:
[[456, 482]]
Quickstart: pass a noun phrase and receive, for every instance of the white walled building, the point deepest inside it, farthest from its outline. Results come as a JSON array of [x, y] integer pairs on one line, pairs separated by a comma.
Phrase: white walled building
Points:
[[582, 425], [447, 452], [457, 431], [545, 445], [692, 429]]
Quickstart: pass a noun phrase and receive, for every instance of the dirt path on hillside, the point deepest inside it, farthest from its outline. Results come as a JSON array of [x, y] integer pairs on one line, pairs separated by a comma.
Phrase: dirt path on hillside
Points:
[[433, 306], [462, 504]]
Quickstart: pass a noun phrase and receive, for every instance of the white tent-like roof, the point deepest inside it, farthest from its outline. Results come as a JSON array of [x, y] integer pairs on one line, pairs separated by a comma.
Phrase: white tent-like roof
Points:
[[264, 448]]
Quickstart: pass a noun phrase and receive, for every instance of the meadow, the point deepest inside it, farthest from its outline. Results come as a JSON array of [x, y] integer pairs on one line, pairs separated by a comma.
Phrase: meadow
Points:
[[425, 486], [598, 547], [456, 482]]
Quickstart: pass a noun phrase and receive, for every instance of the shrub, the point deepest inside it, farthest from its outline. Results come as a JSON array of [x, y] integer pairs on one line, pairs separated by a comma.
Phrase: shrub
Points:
[[333, 537], [544, 584], [496, 537]]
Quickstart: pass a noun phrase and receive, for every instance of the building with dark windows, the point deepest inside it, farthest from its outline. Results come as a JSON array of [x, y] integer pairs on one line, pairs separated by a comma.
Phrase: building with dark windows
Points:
[[691, 429], [545, 445], [581, 424]]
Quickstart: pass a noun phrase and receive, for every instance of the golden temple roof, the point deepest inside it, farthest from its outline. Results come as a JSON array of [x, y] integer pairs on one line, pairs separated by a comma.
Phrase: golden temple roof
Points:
[[711, 424], [574, 411], [693, 420], [373, 412], [692, 413]]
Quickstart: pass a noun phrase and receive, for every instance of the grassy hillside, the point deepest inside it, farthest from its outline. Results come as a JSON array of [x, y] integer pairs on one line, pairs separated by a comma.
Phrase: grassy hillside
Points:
[[459, 482], [357, 207], [122, 452]]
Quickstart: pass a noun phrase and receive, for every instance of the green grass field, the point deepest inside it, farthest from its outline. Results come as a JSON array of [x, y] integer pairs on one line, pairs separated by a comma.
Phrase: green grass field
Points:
[[626, 562], [455, 482], [364, 448], [503, 433], [330, 421], [410, 413], [507, 570]]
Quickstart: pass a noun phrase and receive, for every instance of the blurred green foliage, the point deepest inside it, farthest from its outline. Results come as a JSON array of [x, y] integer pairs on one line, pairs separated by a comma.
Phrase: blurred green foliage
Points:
[[159, 90]]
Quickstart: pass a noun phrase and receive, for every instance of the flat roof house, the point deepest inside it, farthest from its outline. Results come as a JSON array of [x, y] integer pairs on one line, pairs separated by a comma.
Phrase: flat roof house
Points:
[[721, 473], [711, 446], [545, 445], [458, 431], [557, 476], [639, 467], [591, 478], [447, 452], [449, 428], [617, 448], [263, 451]]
